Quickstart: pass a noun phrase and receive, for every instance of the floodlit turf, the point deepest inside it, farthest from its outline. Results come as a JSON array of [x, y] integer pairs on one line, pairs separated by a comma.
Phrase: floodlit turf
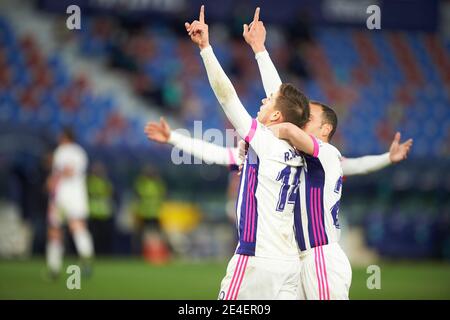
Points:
[[136, 279]]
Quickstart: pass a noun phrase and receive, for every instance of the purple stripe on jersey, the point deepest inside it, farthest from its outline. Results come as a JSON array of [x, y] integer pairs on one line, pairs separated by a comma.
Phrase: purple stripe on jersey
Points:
[[254, 206], [319, 228], [243, 197], [247, 204], [250, 204], [321, 215], [298, 226], [246, 248], [309, 213], [252, 131], [314, 216], [315, 179], [239, 211], [236, 206], [248, 211]]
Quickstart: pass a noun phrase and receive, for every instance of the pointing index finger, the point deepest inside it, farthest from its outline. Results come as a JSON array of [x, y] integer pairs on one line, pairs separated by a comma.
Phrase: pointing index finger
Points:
[[256, 17], [201, 17]]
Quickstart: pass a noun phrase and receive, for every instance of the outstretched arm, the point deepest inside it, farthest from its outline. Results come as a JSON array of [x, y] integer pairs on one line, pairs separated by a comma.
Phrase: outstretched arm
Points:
[[367, 164], [364, 165], [255, 36], [206, 151], [221, 85]]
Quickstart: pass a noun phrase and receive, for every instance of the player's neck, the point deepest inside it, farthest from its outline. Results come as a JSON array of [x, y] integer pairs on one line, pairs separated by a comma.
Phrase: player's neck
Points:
[[271, 123], [321, 137]]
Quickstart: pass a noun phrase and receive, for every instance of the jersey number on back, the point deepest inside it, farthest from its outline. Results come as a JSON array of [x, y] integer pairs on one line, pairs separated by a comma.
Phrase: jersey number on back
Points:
[[288, 193]]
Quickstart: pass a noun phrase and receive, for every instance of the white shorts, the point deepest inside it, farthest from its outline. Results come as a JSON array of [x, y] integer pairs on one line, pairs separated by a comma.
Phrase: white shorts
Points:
[[257, 278], [325, 274], [60, 211]]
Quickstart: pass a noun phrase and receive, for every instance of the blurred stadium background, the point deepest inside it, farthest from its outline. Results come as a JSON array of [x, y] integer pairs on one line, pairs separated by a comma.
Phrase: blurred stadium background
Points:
[[132, 62]]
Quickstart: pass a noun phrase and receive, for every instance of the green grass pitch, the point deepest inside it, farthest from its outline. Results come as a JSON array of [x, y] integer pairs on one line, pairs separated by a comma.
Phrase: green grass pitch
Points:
[[122, 278]]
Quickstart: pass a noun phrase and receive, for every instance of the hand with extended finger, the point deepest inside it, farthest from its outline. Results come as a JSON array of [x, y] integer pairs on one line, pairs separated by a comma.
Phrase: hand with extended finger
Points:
[[198, 30], [255, 33]]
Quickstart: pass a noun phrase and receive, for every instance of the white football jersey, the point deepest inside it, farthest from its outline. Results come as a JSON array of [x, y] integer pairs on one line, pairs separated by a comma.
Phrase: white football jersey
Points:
[[267, 194], [317, 207], [71, 190]]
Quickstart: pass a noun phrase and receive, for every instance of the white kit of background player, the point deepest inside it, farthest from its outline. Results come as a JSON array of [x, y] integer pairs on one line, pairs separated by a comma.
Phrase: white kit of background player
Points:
[[68, 202]]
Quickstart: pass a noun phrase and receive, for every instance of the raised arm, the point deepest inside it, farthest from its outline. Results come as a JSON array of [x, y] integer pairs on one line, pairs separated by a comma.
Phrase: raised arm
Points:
[[255, 36], [221, 85], [367, 164], [206, 151]]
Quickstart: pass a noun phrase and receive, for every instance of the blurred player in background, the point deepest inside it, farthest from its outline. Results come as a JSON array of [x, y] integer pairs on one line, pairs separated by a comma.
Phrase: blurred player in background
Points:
[[68, 203]]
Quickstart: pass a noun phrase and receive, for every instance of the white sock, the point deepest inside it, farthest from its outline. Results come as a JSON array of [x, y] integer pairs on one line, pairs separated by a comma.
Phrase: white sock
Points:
[[54, 255], [83, 243]]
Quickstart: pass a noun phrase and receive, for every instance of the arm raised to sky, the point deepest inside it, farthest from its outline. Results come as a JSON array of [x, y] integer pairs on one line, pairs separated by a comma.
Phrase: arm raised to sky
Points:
[[255, 36], [226, 94], [220, 83]]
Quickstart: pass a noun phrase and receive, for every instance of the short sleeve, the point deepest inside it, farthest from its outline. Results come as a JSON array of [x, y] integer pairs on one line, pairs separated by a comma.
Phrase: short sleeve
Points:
[[324, 151]]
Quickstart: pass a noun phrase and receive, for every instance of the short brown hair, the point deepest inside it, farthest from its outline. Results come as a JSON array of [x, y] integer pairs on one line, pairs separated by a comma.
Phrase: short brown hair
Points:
[[68, 133], [329, 116], [293, 105]]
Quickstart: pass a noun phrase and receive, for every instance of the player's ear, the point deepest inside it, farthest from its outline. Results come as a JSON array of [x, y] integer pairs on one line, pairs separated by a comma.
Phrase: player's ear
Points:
[[276, 116], [326, 129]]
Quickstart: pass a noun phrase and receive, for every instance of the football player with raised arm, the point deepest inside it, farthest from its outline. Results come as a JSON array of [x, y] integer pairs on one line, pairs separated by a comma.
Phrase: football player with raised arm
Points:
[[265, 263]]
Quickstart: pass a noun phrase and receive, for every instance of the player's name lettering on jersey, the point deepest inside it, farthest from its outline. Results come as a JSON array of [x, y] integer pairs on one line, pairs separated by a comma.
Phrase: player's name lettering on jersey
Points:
[[292, 154]]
